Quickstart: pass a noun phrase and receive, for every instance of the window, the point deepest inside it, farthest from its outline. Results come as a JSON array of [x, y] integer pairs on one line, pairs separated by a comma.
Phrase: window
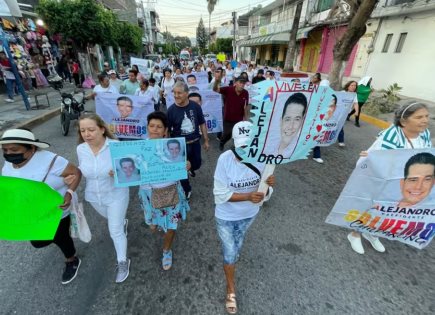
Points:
[[387, 43], [400, 42]]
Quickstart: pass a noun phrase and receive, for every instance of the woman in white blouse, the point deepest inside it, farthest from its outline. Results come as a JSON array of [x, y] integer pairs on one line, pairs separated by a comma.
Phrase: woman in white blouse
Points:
[[111, 202]]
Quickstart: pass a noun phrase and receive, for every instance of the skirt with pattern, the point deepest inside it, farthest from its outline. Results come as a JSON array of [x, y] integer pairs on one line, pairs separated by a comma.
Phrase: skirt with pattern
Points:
[[165, 218]]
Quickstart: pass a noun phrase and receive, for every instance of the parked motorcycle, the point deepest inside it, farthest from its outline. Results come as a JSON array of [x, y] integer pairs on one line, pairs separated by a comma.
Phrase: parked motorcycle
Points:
[[72, 105]]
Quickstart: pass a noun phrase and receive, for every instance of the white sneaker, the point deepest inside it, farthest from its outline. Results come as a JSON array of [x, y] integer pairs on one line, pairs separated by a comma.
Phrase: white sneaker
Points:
[[341, 144], [356, 243], [376, 243], [318, 160], [9, 100]]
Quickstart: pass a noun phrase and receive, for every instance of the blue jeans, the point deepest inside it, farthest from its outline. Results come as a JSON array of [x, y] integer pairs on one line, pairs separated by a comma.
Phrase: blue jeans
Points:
[[341, 136], [232, 234], [316, 153], [10, 88]]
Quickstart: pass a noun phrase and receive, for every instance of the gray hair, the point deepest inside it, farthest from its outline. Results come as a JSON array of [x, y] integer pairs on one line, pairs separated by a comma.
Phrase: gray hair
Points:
[[181, 85], [407, 111]]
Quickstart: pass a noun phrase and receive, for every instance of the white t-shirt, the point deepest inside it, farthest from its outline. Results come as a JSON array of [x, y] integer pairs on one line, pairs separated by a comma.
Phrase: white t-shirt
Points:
[[238, 178], [36, 169], [100, 186], [110, 89], [167, 85]]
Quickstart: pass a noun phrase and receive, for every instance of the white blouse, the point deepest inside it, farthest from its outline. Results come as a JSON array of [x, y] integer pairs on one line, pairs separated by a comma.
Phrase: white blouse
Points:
[[100, 186]]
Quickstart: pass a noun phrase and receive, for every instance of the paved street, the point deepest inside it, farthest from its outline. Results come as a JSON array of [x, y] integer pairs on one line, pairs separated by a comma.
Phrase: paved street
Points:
[[292, 262]]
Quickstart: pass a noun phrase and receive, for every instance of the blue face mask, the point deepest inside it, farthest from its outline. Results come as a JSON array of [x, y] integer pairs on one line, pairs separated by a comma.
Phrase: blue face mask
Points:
[[240, 151]]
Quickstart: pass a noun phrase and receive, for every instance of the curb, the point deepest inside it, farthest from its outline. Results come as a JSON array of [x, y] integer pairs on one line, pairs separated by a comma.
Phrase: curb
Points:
[[35, 121], [375, 121]]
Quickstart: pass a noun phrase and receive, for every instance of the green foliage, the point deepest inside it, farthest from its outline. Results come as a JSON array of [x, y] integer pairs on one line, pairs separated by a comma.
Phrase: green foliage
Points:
[[224, 45], [385, 102], [201, 36], [87, 21]]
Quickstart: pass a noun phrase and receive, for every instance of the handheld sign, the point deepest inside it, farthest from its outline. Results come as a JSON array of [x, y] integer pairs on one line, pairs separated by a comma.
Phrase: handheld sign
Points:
[[29, 210]]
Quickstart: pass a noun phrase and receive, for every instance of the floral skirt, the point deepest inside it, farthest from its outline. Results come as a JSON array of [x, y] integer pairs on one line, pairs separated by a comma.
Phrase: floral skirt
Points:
[[165, 218]]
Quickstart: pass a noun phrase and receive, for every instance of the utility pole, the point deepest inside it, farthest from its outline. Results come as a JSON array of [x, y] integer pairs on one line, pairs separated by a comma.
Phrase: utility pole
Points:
[[234, 35], [291, 50]]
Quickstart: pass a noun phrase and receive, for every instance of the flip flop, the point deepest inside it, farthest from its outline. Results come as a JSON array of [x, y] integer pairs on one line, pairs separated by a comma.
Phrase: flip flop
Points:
[[167, 260], [231, 304]]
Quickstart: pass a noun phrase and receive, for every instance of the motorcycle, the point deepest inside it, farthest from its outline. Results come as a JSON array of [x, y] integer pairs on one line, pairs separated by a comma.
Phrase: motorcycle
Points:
[[71, 105]]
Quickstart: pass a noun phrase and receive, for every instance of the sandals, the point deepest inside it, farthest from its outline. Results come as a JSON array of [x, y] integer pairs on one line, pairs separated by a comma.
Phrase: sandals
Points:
[[167, 260], [231, 304]]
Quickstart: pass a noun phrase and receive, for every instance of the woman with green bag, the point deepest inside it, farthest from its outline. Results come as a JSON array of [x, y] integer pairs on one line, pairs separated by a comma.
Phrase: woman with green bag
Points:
[[363, 91]]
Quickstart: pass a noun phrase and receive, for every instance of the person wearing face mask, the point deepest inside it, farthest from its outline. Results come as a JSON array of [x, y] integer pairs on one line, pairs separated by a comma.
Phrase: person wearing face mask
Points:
[[25, 158], [237, 201]]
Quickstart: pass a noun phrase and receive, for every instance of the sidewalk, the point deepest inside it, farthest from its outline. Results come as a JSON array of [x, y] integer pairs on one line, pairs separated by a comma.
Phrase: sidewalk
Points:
[[15, 114]]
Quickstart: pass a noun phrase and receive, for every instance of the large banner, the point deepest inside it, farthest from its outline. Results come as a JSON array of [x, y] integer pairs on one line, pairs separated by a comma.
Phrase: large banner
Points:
[[142, 64], [148, 161], [211, 104], [335, 118], [126, 115], [287, 120], [390, 194]]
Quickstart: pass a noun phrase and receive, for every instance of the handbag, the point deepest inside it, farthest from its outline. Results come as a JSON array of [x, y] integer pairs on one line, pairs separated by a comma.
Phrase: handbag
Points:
[[164, 197], [79, 226]]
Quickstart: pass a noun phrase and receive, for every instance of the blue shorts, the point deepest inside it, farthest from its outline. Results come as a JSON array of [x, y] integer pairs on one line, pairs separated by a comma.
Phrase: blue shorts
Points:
[[232, 234]]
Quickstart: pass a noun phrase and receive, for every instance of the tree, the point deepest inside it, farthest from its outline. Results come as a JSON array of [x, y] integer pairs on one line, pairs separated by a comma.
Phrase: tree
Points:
[[288, 64], [201, 36], [359, 12], [224, 45], [87, 21]]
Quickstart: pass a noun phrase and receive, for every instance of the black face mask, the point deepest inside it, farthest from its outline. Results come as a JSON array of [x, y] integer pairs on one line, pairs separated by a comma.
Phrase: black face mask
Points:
[[15, 158]]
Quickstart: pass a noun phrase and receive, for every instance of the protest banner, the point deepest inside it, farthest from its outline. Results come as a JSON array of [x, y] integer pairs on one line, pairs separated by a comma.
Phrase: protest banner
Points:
[[196, 78], [33, 215], [335, 118], [211, 105], [390, 194], [126, 116], [287, 119], [142, 64], [148, 161]]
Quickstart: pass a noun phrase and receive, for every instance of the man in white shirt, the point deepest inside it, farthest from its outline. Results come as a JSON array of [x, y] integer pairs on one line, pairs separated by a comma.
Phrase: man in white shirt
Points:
[[103, 87], [114, 81]]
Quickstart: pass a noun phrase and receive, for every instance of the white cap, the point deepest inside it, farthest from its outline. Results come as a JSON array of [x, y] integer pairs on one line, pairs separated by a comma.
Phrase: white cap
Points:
[[241, 133]]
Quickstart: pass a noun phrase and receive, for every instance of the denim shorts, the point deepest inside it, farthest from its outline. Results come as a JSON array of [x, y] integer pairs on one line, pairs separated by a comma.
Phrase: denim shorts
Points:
[[232, 234]]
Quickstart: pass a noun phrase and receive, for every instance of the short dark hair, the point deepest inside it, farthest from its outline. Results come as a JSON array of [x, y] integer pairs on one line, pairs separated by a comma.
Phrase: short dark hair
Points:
[[195, 94], [126, 159], [420, 158], [124, 98], [173, 141], [152, 80], [133, 71], [297, 98], [271, 72], [191, 76], [159, 116], [101, 77], [146, 82]]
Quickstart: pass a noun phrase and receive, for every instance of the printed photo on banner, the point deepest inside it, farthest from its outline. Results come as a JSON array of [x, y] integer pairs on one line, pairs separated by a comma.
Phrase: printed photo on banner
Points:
[[286, 119], [390, 194], [125, 115], [148, 161], [196, 78], [335, 118]]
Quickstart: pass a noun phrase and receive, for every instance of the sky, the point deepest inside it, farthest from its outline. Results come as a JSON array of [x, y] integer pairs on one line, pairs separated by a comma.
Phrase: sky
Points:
[[181, 17]]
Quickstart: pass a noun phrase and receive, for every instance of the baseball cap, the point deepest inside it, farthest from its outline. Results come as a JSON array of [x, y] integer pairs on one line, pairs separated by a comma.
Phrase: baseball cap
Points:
[[241, 79], [111, 72], [241, 133]]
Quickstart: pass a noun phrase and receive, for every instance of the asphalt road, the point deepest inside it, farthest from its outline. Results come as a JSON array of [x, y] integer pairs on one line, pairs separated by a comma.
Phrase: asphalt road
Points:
[[292, 262]]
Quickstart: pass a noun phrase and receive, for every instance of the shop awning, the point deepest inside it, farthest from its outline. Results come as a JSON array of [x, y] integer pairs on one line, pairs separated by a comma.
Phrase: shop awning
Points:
[[280, 38], [303, 32]]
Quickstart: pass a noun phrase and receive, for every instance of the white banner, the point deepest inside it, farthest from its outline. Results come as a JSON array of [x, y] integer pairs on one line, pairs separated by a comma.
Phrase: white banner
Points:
[[390, 194], [126, 116]]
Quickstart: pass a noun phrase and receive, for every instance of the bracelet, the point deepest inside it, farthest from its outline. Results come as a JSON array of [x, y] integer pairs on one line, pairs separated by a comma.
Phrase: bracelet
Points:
[[70, 191]]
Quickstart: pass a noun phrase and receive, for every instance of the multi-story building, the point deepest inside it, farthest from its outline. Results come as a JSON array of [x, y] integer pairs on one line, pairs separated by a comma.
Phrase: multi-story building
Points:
[[150, 22]]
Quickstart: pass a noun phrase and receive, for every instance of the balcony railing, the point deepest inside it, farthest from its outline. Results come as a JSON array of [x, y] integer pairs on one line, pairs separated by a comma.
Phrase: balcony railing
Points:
[[272, 28]]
